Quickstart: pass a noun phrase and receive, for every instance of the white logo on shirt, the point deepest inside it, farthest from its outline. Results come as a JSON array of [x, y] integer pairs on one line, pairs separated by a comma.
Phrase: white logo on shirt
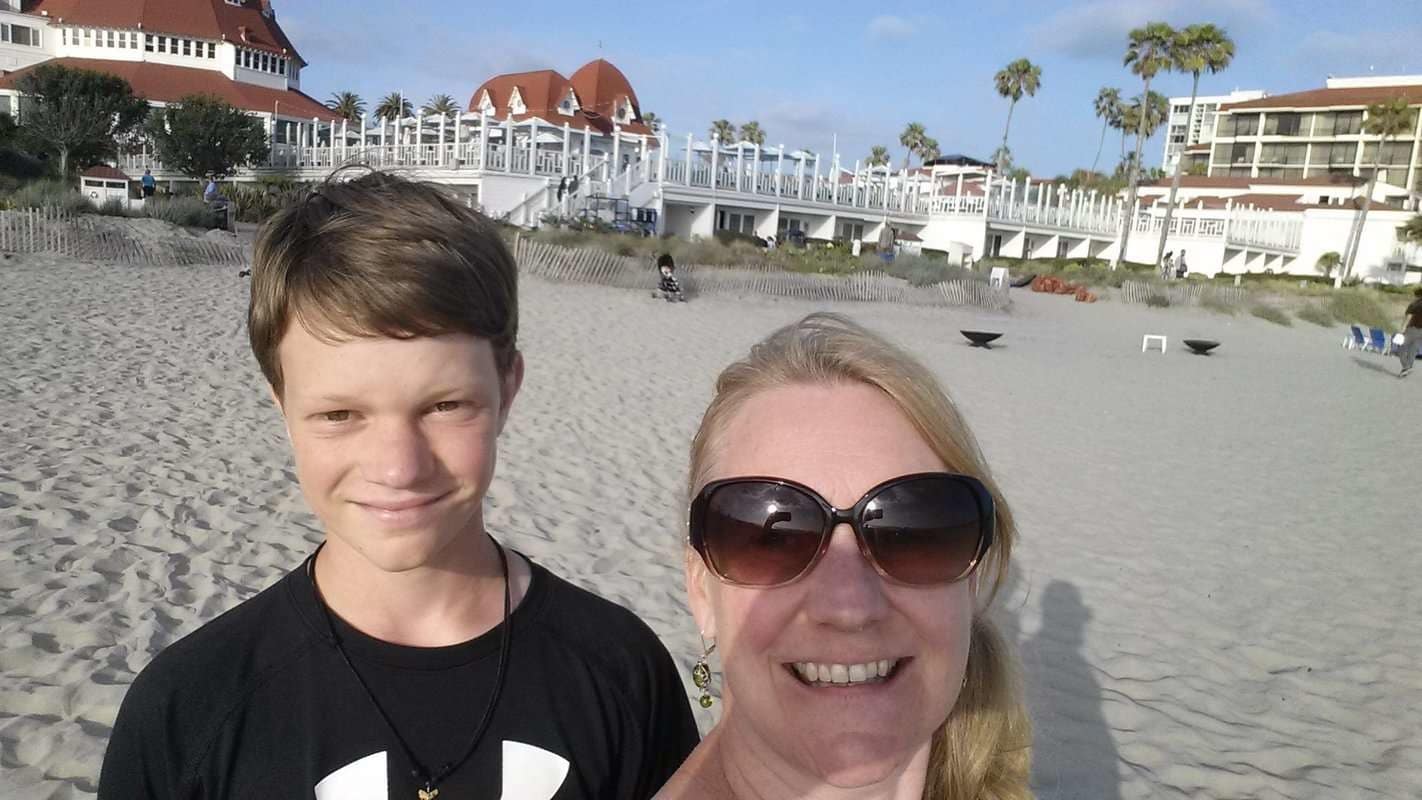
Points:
[[530, 773]]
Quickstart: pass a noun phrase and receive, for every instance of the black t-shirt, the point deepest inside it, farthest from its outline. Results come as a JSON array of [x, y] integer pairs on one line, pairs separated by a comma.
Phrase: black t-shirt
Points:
[[259, 704]]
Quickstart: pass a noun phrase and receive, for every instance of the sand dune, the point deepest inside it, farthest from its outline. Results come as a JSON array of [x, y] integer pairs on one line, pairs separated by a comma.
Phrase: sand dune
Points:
[[1216, 595]]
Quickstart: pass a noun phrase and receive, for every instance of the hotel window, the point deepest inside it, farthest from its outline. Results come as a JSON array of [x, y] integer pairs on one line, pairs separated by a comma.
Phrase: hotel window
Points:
[[1282, 124], [281, 66], [1338, 123], [162, 44], [187, 47], [19, 34], [1238, 153], [108, 39], [1282, 154], [266, 60], [1394, 154], [1334, 154], [88, 37], [212, 49]]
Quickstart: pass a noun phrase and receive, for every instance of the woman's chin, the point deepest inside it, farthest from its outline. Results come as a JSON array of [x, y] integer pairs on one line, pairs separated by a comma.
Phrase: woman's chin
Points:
[[850, 761]]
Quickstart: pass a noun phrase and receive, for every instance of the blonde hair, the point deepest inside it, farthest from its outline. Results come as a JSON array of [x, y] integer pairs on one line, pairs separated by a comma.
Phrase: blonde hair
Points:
[[982, 751]]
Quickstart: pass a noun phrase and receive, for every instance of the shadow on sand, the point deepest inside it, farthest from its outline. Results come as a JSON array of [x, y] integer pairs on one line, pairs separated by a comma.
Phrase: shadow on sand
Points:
[[1367, 363], [1074, 755]]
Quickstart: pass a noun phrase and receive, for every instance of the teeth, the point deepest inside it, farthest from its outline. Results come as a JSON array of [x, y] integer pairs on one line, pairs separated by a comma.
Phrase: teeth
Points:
[[844, 674]]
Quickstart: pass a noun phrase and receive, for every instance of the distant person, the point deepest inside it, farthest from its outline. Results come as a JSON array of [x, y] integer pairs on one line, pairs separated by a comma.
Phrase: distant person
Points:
[[149, 184], [210, 193], [1181, 270], [1167, 267], [1411, 333], [573, 186], [562, 187], [668, 288]]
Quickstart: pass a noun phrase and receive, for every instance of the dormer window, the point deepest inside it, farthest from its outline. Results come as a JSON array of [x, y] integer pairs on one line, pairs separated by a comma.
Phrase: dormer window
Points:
[[485, 105], [569, 104], [516, 105], [623, 114]]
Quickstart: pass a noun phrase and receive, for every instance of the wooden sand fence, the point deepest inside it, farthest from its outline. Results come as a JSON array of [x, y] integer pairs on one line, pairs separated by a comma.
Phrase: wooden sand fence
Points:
[[573, 265], [86, 237], [1183, 294]]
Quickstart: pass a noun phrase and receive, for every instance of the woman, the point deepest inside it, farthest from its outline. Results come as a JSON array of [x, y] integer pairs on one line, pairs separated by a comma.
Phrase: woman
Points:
[[857, 660]]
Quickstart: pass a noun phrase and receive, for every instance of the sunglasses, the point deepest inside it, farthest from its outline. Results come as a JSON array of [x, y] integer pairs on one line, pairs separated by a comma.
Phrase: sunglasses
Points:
[[920, 529]]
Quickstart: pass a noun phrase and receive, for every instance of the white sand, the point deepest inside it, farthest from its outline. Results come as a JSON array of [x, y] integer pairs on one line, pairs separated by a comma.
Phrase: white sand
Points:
[[1218, 560]]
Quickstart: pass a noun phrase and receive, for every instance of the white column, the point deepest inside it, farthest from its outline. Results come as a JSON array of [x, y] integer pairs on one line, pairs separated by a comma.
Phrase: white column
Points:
[[382, 137], [663, 147], [815, 183], [440, 159], [532, 146], [755, 169], [616, 152], [458, 135], [483, 140], [779, 168], [587, 149], [690, 138], [508, 143], [567, 147], [740, 166], [715, 154]]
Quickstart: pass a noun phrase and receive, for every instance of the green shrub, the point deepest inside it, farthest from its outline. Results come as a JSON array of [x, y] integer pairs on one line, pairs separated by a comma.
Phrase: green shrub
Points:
[[1357, 306], [1317, 314], [50, 193], [190, 212], [924, 271], [1211, 301], [1158, 301], [256, 202], [1267, 312], [113, 207]]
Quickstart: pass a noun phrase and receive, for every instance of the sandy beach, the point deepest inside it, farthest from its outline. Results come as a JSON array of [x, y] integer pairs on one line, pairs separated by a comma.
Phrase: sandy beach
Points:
[[1216, 586]]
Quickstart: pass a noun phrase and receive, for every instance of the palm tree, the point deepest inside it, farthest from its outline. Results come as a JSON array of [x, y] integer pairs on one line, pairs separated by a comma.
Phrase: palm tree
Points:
[[878, 156], [1197, 48], [1108, 108], [751, 132], [723, 131], [441, 105], [652, 121], [1388, 121], [912, 139], [1328, 262], [347, 104], [1012, 81], [394, 106], [928, 151], [1149, 52]]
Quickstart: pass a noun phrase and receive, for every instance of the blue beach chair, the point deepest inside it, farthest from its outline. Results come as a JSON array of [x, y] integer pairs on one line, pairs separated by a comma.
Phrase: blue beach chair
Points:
[[1381, 342], [1356, 340]]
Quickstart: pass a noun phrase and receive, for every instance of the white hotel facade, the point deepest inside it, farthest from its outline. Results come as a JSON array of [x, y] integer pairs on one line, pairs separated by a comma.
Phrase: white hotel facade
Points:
[[533, 144]]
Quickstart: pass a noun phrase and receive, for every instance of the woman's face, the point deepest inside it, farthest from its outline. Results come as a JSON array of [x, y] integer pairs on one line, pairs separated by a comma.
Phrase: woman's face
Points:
[[841, 441]]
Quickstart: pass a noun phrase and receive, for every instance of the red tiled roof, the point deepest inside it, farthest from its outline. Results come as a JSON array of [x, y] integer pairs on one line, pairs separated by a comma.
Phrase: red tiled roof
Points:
[[105, 172], [209, 19], [542, 90], [1318, 98], [164, 84]]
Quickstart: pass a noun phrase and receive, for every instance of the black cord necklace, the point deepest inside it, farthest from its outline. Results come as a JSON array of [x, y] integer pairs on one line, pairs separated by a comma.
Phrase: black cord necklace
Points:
[[422, 774]]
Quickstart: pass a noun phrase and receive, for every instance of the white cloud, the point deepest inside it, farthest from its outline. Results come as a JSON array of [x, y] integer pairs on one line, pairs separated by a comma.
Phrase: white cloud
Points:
[[1100, 29], [887, 27]]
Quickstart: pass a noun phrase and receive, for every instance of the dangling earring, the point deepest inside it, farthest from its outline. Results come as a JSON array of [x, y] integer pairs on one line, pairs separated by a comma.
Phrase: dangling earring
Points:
[[701, 674]]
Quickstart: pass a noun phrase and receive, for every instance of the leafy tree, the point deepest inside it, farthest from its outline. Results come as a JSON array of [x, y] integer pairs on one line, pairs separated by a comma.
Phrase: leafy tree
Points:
[[77, 114], [1328, 262], [929, 150], [1012, 81], [1108, 108], [1387, 121], [878, 156], [441, 105], [347, 104], [1196, 48], [651, 120], [202, 135], [751, 132], [1149, 52], [723, 131], [394, 106], [1412, 231]]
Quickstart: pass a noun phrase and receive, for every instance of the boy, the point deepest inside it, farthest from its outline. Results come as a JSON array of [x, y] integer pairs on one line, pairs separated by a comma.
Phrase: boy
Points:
[[668, 288], [411, 656]]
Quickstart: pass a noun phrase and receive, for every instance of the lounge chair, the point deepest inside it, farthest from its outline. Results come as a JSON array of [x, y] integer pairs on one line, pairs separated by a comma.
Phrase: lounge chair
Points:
[[1356, 339], [1381, 342]]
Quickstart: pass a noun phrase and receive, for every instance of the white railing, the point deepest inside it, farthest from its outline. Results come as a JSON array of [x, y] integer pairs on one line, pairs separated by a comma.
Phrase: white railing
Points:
[[1272, 229]]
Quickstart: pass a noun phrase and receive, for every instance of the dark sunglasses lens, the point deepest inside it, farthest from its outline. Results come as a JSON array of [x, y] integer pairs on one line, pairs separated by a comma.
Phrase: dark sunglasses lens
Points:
[[761, 533], [925, 530]]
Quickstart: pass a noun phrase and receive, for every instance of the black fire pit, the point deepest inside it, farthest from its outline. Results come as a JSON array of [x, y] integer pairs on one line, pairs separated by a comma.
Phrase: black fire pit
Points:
[[981, 338], [1201, 347]]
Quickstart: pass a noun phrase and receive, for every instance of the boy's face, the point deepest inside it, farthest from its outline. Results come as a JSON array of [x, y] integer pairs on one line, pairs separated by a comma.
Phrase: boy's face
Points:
[[666, 271], [395, 440]]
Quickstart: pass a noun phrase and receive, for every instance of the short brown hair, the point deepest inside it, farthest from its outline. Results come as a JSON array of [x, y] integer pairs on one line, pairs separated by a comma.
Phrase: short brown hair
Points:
[[379, 255]]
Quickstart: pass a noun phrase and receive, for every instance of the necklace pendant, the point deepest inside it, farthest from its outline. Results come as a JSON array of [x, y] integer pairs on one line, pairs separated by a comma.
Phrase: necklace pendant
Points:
[[429, 794]]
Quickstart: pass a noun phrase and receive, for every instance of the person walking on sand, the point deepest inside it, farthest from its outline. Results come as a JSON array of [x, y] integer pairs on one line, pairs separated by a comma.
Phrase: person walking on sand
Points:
[[1411, 333], [1167, 267], [1181, 270], [149, 184], [410, 654]]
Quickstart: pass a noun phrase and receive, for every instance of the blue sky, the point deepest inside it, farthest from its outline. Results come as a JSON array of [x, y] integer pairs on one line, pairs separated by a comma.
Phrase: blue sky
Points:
[[808, 71]]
